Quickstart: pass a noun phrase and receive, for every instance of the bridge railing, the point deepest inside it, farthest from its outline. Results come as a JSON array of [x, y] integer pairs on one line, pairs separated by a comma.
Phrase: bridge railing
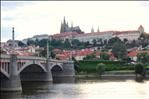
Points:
[[31, 58], [4, 56]]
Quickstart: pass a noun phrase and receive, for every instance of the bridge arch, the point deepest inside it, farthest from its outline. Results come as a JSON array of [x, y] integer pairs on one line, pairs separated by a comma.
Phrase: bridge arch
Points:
[[56, 65], [3, 72], [33, 72], [30, 64], [57, 71]]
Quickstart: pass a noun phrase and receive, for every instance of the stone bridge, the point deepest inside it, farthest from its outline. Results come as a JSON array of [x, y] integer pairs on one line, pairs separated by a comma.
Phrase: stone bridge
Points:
[[14, 69]]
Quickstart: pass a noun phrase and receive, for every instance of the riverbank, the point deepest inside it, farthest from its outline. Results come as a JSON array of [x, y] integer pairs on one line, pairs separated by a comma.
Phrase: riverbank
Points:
[[111, 75]]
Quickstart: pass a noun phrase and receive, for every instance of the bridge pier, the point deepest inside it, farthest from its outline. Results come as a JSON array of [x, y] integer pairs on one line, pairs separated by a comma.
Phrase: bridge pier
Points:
[[48, 73], [68, 69], [67, 75], [13, 83]]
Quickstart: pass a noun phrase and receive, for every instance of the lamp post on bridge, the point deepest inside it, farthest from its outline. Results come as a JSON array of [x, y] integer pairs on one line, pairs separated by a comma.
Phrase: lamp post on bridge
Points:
[[48, 54], [13, 42]]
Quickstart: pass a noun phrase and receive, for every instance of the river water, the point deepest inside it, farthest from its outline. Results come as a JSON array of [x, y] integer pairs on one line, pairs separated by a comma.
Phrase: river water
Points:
[[83, 89]]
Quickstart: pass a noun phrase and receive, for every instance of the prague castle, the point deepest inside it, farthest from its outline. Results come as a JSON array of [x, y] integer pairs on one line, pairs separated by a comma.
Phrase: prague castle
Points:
[[74, 32]]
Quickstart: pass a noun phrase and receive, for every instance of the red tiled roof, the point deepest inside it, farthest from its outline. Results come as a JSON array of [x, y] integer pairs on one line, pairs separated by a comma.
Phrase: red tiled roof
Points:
[[124, 32], [25, 54], [95, 33], [132, 53], [65, 34], [135, 52]]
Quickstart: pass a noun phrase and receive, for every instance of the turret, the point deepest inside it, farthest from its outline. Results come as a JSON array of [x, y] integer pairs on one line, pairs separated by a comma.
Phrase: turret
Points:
[[71, 25], [98, 29], [141, 29], [92, 30], [62, 28]]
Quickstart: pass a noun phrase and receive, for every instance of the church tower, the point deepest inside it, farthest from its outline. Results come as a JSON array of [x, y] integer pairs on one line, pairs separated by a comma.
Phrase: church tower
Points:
[[141, 29], [63, 26]]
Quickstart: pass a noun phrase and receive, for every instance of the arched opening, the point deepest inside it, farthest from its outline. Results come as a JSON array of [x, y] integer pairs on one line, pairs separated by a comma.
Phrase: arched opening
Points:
[[32, 77], [56, 73], [32, 72]]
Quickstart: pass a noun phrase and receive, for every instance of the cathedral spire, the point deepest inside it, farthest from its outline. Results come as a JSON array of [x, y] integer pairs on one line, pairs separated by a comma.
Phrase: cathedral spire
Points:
[[64, 22], [98, 29], [71, 25], [92, 30], [67, 24], [61, 30]]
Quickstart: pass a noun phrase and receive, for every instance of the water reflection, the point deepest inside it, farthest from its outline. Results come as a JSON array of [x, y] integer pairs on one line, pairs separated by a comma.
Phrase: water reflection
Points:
[[10, 95], [83, 89]]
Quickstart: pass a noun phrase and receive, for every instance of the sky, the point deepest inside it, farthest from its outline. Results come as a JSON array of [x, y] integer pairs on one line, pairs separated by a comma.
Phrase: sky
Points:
[[31, 18]]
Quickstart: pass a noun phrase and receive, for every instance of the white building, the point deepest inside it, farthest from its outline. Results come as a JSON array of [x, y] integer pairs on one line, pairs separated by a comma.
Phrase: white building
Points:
[[37, 37], [40, 37], [97, 35], [129, 35]]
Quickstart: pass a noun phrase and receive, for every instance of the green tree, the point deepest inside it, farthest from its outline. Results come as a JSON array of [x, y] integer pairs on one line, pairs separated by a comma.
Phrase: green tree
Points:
[[94, 42], [90, 57], [43, 43], [114, 40], [30, 42], [104, 56], [20, 43], [144, 39], [119, 50], [53, 54], [76, 64], [100, 68], [111, 42], [143, 58], [42, 53], [125, 40], [67, 43], [75, 42], [37, 42], [139, 69]]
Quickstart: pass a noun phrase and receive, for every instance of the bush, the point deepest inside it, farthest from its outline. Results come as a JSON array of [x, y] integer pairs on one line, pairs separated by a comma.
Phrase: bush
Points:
[[139, 69], [100, 68], [90, 66]]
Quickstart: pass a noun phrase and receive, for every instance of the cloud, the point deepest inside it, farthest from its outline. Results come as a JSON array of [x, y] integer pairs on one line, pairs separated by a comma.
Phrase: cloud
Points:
[[32, 18]]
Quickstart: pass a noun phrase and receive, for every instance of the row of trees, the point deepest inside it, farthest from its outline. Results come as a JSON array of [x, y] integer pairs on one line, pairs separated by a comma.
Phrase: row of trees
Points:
[[117, 46], [139, 71], [67, 44]]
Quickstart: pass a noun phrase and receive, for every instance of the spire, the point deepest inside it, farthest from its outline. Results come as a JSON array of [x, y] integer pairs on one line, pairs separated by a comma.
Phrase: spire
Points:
[[98, 29], [71, 25], [64, 22], [67, 24], [61, 29], [141, 29], [92, 30]]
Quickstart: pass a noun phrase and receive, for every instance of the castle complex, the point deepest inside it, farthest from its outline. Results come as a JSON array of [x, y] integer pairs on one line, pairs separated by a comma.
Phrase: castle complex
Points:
[[67, 32], [74, 32]]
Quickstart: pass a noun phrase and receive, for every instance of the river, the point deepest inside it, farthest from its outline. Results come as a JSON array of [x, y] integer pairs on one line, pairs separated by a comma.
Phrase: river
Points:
[[83, 89]]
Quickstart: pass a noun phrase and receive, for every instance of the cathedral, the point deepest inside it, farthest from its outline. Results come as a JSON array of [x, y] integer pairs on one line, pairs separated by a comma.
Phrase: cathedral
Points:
[[65, 27]]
